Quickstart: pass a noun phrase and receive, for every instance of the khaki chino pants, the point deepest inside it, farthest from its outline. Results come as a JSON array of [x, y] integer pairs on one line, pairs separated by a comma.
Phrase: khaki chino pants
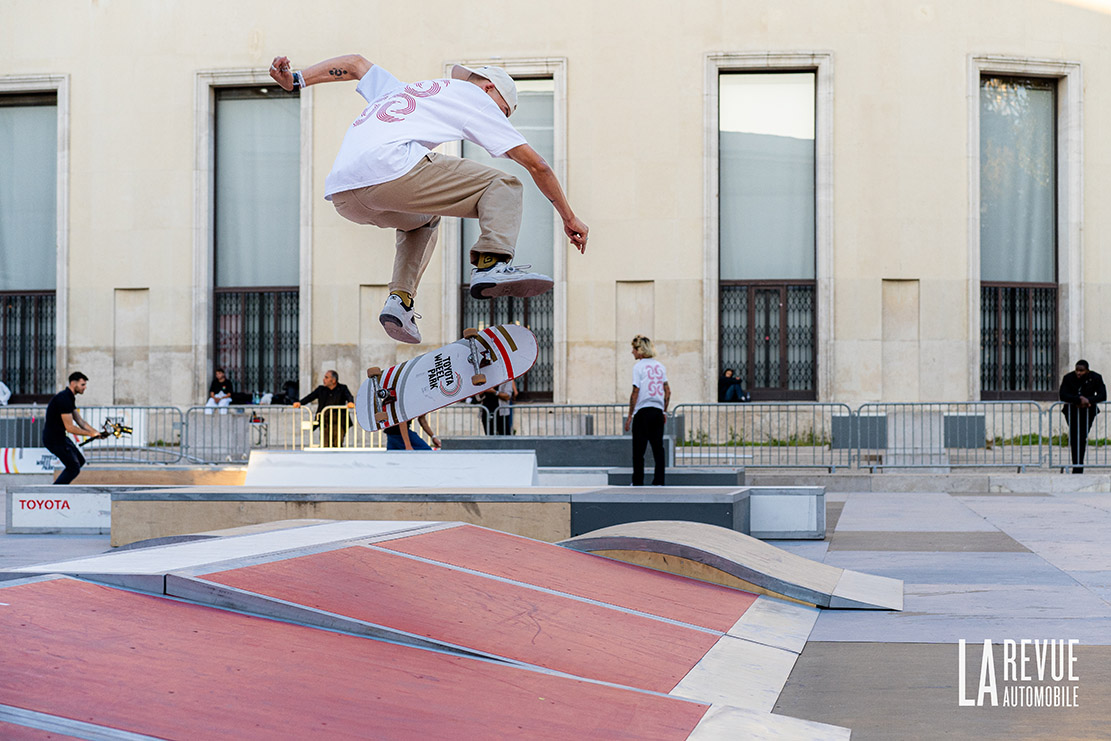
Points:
[[437, 186]]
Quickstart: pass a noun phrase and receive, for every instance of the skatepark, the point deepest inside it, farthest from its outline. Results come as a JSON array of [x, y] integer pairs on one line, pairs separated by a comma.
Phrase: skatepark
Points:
[[361, 317], [394, 627]]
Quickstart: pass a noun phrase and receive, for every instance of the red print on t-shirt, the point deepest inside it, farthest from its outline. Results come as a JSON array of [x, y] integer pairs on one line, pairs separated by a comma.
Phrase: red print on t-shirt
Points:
[[655, 376], [395, 107]]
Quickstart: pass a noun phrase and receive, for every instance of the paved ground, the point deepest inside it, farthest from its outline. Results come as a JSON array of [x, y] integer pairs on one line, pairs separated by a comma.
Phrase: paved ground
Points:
[[1002, 567], [22, 550]]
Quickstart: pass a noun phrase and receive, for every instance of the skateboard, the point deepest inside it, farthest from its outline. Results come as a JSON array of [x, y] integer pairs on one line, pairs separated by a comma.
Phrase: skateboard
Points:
[[479, 361]]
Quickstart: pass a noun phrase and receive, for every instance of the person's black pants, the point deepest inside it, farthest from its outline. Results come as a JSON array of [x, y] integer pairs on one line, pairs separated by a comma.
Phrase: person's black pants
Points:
[[648, 429], [69, 455], [332, 433], [1080, 424]]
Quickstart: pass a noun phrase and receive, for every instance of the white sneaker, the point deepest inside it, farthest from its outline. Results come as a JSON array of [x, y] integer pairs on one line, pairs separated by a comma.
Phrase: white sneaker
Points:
[[400, 323], [508, 280]]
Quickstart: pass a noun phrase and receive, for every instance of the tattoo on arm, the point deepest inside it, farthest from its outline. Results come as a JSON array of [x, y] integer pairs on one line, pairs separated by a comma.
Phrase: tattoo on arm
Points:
[[337, 72]]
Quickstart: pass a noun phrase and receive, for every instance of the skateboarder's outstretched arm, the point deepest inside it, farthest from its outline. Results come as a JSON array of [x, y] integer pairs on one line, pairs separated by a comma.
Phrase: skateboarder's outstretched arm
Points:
[[545, 179], [336, 69]]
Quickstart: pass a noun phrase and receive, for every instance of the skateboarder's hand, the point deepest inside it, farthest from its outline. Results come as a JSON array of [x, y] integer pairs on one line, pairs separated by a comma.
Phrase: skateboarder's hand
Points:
[[628, 422], [281, 72], [436, 442], [576, 231]]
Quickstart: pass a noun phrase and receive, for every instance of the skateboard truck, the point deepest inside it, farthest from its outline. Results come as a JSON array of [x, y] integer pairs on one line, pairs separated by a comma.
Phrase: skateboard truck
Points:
[[469, 334], [381, 395]]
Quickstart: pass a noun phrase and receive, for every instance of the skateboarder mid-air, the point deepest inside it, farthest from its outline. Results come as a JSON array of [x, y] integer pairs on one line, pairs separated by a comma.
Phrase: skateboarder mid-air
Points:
[[386, 175]]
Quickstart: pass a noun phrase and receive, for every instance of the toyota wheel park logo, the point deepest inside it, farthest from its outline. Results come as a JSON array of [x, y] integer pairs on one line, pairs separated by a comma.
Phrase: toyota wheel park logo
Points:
[[1037, 673], [442, 377]]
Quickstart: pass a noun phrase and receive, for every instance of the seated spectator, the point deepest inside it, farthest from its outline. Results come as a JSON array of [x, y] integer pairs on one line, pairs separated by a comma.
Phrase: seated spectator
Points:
[[219, 393], [730, 389]]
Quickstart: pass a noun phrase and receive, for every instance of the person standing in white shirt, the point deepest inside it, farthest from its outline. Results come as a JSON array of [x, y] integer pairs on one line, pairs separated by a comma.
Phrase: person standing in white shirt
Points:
[[386, 175], [648, 410]]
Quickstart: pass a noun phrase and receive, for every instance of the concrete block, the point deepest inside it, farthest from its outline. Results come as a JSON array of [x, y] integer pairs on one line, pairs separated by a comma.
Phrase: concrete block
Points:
[[357, 468], [787, 513], [722, 506], [684, 476], [612, 451]]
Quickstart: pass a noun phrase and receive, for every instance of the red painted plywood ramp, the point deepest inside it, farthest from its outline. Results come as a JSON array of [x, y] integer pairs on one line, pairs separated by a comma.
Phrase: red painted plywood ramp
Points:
[[515, 621], [13, 732], [161, 667], [581, 574]]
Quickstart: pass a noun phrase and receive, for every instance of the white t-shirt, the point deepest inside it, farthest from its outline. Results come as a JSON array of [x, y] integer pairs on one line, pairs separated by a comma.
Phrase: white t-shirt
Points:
[[403, 121], [649, 377]]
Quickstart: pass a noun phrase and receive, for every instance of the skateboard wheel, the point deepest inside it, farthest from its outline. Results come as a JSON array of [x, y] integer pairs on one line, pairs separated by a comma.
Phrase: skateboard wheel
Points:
[[470, 332], [478, 379], [373, 371], [380, 417]]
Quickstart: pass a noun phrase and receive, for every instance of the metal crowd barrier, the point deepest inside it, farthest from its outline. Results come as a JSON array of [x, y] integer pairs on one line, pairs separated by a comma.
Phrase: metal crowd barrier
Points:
[[568, 420], [949, 435], [147, 434], [1017, 434], [229, 434], [337, 428], [761, 435], [21, 426], [1097, 451]]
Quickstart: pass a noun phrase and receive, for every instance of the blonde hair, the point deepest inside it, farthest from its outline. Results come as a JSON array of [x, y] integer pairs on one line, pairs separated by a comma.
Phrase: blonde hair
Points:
[[644, 346]]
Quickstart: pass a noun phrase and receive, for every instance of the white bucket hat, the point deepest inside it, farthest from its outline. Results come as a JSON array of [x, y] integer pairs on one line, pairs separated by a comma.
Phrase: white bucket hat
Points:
[[501, 79]]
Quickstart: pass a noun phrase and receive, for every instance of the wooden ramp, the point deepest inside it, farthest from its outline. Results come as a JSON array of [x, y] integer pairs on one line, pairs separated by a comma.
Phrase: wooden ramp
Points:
[[479, 602], [725, 556]]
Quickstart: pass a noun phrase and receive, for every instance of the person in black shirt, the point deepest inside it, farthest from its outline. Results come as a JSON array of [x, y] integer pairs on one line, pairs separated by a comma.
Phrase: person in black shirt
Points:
[[730, 388], [332, 393], [219, 393], [62, 417], [1081, 391]]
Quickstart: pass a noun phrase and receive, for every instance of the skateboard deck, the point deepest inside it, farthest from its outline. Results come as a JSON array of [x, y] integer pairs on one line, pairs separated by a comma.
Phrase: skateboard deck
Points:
[[478, 362]]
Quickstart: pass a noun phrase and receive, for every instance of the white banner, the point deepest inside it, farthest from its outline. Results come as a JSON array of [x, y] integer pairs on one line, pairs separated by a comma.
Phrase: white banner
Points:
[[45, 510], [27, 460]]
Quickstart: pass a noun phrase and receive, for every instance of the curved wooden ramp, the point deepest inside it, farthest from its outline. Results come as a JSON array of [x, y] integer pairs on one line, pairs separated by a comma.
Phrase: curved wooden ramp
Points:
[[728, 557]]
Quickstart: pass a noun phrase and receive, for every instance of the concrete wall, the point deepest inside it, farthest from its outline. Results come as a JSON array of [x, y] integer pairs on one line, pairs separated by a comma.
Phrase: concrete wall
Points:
[[898, 318]]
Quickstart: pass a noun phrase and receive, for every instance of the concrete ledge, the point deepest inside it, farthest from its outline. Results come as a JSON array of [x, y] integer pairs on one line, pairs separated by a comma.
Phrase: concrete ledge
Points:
[[316, 468], [611, 451], [1004, 481], [722, 506], [684, 476]]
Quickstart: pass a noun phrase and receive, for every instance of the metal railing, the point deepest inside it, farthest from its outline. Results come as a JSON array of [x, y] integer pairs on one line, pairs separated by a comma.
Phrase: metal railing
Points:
[[1097, 452], [992, 434], [337, 428], [229, 434], [948, 435], [154, 436], [761, 434]]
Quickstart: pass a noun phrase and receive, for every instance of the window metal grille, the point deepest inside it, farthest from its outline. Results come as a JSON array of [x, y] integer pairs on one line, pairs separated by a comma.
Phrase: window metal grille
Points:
[[27, 344], [536, 314], [257, 337], [767, 336], [1018, 341]]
